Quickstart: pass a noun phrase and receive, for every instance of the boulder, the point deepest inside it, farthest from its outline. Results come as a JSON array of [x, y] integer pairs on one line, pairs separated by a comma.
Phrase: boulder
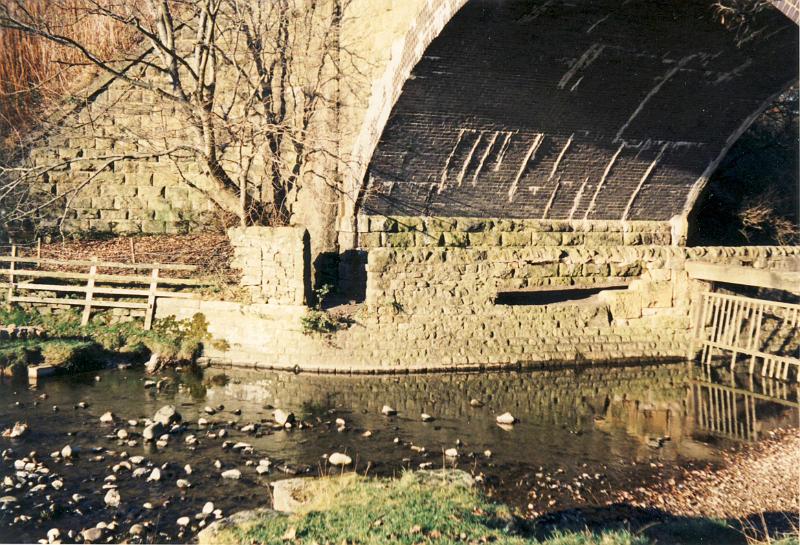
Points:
[[289, 494]]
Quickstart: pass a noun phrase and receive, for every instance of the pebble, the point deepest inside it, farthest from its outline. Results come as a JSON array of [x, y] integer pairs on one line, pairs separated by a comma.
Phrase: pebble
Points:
[[475, 402], [107, 417], [187, 469], [451, 453], [66, 452], [426, 417], [190, 440], [202, 422], [53, 534], [91, 535], [136, 460], [386, 410], [183, 521], [231, 474], [18, 430], [152, 431], [210, 410], [183, 483], [112, 498], [339, 459], [208, 508], [155, 475], [136, 530], [246, 429], [506, 418], [283, 417], [122, 435], [58, 484]]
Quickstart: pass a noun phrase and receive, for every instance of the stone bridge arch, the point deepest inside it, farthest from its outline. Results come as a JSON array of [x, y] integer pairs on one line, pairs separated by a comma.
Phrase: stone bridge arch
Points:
[[659, 124]]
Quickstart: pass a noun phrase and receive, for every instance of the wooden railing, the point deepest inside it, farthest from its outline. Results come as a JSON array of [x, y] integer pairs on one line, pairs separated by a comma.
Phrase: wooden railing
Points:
[[734, 324], [120, 290]]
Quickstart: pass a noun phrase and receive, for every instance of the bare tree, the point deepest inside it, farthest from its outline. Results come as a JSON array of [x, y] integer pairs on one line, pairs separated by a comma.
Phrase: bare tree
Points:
[[242, 86]]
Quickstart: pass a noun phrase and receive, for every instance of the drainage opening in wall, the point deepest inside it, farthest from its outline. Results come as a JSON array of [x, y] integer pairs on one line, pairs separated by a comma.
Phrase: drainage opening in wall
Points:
[[552, 295]]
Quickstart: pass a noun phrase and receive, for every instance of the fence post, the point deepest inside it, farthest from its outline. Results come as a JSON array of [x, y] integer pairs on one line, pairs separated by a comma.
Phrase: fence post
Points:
[[151, 301], [11, 270], [87, 307]]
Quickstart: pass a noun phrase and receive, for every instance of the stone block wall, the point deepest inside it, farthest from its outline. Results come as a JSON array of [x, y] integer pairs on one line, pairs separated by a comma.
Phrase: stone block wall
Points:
[[436, 309], [410, 231], [139, 194], [275, 263]]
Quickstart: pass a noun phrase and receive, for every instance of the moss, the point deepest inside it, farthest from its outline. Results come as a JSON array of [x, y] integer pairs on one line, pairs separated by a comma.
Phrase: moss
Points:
[[176, 341], [15, 357]]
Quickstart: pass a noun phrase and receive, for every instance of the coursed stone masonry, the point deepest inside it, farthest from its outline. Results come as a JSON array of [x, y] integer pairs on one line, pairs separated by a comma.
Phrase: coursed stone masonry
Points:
[[435, 308], [275, 263]]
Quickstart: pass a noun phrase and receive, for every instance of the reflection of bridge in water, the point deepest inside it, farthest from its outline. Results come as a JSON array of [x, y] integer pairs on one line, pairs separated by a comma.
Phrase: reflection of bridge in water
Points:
[[742, 407]]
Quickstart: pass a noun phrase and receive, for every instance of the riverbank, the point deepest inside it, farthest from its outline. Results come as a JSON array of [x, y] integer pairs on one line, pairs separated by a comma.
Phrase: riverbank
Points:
[[441, 507], [58, 341], [757, 488]]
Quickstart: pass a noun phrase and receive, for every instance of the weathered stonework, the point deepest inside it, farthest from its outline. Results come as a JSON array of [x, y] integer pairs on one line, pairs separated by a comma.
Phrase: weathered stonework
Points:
[[275, 263], [625, 144], [435, 309]]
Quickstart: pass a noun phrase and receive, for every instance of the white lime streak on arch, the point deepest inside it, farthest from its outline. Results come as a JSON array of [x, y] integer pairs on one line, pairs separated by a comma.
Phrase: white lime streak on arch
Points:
[[561, 156], [502, 152], [653, 92], [485, 155], [578, 197], [468, 160], [443, 177], [537, 141], [602, 181], [643, 179]]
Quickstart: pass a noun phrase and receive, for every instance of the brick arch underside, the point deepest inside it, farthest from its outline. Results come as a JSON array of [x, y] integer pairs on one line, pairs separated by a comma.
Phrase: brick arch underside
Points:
[[587, 110]]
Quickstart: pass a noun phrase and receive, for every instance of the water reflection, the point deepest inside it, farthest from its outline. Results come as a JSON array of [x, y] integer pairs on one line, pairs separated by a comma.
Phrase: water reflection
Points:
[[584, 434], [741, 406]]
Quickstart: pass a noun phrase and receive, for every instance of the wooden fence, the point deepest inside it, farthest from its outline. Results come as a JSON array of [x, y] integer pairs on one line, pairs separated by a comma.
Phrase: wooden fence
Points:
[[133, 291], [733, 324]]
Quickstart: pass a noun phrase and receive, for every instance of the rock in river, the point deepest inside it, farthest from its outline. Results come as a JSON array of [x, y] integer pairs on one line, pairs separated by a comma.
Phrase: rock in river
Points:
[[339, 459], [112, 498], [283, 417], [107, 418], [388, 411], [92, 535], [167, 415], [506, 418], [231, 474], [152, 431]]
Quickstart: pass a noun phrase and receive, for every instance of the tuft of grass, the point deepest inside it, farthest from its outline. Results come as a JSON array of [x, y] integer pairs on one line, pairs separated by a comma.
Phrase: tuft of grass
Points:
[[405, 511], [176, 341]]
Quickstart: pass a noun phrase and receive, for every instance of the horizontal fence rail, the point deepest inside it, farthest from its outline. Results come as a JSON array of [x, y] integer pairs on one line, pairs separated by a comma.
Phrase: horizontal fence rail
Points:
[[134, 291], [734, 326]]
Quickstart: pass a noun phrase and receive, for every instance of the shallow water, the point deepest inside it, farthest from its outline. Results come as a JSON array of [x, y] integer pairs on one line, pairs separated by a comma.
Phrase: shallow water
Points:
[[584, 435]]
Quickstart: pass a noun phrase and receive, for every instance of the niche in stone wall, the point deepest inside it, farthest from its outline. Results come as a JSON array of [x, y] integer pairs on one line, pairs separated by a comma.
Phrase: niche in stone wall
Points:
[[555, 295]]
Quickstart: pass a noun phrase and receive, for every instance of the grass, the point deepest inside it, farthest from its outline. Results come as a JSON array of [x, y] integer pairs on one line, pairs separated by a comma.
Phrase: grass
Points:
[[405, 511], [72, 355], [176, 341]]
